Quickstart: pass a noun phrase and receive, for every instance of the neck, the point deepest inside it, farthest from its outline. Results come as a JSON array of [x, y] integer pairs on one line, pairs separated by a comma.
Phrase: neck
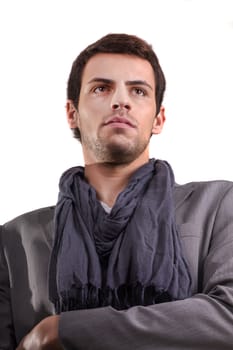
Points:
[[110, 179]]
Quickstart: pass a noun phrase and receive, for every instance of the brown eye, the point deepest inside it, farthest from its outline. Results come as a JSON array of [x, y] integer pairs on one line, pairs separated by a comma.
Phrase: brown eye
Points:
[[140, 91], [100, 89]]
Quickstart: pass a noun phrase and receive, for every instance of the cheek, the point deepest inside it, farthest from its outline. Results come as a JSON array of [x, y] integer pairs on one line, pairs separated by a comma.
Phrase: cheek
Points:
[[146, 122], [90, 111], [88, 123]]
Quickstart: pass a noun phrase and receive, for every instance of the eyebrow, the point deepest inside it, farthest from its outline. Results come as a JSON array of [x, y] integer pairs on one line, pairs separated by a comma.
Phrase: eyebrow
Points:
[[128, 82]]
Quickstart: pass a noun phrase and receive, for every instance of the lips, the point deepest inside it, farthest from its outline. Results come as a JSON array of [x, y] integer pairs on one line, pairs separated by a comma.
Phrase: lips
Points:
[[118, 120]]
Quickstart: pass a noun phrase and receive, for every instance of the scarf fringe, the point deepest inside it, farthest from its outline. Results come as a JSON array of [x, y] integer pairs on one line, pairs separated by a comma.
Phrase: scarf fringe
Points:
[[120, 298]]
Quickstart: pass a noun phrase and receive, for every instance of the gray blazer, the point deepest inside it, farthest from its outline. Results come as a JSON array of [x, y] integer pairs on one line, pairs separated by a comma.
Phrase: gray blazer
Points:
[[204, 214]]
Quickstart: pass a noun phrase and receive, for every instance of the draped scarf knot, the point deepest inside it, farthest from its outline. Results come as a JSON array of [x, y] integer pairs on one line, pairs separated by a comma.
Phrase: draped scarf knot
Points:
[[130, 256]]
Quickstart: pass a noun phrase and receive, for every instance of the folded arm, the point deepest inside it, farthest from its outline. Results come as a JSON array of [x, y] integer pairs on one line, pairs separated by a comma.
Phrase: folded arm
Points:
[[200, 322]]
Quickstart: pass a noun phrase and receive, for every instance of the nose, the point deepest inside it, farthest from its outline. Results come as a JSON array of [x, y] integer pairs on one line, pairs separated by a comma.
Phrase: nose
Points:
[[120, 101], [119, 105]]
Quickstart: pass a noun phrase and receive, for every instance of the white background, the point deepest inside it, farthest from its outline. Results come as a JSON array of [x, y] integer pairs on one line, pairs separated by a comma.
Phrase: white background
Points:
[[39, 41]]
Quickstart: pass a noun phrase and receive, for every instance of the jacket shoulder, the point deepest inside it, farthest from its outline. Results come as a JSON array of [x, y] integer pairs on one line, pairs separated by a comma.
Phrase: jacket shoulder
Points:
[[205, 185], [200, 193], [38, 217]]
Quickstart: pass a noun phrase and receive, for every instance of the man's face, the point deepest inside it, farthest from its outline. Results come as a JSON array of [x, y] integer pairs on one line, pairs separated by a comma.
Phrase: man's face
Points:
[[117, 108]]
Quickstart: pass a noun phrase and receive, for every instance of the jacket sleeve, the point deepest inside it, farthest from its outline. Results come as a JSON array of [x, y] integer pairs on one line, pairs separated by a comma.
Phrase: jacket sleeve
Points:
[[204, 321], [7, 339]]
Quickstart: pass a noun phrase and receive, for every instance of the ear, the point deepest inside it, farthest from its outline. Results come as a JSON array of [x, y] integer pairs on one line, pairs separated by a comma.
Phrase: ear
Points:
[[159, 122], [72, 115]]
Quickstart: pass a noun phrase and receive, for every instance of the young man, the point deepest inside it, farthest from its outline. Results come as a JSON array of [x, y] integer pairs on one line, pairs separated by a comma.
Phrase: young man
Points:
[[127, 259]]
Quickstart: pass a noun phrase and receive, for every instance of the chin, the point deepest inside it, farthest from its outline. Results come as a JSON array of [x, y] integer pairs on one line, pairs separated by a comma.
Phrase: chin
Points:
[[119, 154], [119, 150]]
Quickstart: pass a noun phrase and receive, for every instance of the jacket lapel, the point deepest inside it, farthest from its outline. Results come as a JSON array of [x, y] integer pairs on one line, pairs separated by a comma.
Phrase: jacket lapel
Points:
[[181, 192]]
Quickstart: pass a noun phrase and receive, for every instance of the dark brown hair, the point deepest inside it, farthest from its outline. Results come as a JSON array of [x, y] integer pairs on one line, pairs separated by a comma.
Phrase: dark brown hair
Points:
[[121, 44]]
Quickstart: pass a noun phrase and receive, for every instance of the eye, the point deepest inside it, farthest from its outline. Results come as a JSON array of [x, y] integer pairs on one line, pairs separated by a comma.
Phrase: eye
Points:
[[139, 91], [100, 89]]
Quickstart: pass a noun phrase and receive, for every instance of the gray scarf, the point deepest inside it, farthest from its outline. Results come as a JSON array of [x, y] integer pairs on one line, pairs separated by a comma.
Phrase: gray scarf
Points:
[[131, 256]]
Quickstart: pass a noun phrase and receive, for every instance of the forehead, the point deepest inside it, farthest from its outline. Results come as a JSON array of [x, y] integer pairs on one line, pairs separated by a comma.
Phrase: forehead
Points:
[[118, 67]]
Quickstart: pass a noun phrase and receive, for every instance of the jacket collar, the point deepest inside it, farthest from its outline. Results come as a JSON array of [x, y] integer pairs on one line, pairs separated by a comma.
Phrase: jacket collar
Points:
[[181, 192]]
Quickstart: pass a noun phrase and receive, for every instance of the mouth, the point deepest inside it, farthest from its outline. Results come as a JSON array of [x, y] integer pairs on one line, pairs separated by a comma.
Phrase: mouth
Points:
[[119, 122]]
